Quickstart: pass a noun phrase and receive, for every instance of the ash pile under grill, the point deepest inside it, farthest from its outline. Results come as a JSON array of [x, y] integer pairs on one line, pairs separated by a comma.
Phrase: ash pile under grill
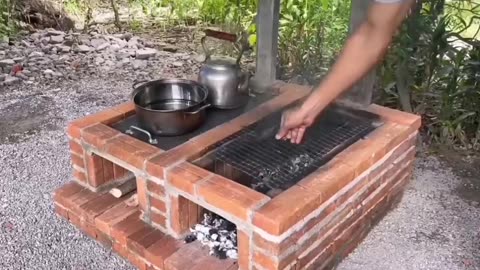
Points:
[[219, 234], [271, 166]]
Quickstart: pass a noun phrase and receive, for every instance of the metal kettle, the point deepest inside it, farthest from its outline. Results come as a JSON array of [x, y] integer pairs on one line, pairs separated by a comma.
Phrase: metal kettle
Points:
[[226, 82]]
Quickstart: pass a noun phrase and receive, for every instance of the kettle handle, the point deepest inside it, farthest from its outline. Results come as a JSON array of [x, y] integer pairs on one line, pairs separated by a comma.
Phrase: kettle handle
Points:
[[222, 36]]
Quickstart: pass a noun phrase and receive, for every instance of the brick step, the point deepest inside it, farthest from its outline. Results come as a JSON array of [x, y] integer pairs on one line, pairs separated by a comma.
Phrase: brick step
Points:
[[117, 225]]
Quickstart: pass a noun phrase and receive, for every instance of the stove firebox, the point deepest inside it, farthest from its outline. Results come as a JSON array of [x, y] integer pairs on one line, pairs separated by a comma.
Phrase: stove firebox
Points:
[[271, 166], [293, 207]]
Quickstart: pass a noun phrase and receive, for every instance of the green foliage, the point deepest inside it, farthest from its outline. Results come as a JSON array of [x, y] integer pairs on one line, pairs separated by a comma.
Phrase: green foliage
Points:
[[317, 27], [311, 33], [7, 26], [440, 72]]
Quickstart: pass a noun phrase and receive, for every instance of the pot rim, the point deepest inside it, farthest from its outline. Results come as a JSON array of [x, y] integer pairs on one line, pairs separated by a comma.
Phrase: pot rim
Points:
[[137, 88]]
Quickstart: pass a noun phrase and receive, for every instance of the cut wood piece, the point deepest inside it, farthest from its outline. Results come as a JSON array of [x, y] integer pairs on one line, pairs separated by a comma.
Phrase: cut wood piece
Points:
[[125, 188]]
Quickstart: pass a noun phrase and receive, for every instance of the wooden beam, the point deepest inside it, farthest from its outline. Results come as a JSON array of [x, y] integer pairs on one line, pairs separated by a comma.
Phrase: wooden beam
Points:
[[362, 92], [268, 16]]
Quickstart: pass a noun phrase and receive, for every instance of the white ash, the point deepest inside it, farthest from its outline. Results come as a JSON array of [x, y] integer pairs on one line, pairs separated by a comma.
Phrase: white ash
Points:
[[218, 234]]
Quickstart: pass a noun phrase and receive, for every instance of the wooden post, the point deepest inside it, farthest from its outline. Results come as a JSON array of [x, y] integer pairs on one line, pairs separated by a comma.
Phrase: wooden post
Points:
[[268, 17], [362, 92]]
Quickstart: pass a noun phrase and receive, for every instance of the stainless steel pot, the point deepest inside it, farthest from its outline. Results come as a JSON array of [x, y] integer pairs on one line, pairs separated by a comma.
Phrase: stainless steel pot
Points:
[[223, 76], [170, 107]]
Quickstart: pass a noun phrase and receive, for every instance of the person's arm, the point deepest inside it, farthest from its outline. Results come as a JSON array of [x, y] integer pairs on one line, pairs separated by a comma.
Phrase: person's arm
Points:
[[362, 51]]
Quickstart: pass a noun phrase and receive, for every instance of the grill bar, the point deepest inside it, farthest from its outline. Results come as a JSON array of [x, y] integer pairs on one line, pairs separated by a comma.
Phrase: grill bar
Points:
[[271, 164]]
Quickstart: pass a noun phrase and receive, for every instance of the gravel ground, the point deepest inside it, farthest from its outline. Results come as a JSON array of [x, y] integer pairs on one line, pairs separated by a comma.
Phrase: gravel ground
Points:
[[434, 227]]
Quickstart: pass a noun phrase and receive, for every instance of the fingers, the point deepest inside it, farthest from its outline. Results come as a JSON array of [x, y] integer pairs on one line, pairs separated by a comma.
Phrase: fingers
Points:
[[282, 133], [293, 137], [300, 133], [283, 130]]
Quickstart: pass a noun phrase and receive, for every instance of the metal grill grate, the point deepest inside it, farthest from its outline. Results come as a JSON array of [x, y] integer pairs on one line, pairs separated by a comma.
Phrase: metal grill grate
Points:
[[272, 164]]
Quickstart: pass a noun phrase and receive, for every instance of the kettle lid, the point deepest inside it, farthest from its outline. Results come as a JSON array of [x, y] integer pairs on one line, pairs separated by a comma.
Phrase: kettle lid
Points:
[[221, 62]]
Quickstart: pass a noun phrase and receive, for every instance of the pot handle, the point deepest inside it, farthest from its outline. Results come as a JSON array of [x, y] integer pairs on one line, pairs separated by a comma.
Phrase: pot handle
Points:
[[199, 109], [151, 140], [222, 36], [245, 81], [135, 87]]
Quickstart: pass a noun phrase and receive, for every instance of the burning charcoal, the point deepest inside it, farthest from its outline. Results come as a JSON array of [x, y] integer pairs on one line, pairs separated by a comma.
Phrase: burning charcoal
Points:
[[232, 254], [190, 238], [214, 236], [219, 253]]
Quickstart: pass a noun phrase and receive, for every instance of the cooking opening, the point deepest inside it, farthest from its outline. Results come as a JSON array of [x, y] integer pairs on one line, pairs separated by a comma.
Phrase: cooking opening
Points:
[[213, 231], [254, 158]]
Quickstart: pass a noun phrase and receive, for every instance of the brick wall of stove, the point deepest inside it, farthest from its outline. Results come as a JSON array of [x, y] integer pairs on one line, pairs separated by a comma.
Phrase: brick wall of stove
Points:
[[88, 168], [339, 225]]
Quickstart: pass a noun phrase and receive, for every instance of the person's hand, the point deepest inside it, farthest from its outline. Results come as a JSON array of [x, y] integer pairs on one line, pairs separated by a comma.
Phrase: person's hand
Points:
[[294, 123]]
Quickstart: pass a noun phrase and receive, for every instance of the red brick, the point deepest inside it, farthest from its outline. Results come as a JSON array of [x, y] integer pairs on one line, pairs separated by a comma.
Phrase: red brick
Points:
[[184, 176], [63, 193], [75, 148], [230, 196], [179, 214], [139, 241], [269, 263], [234, 267], [126, 227], [137, 261], [210, 262], [88, 229], [79, 176], [77, 160], [158, 219], [130, 150], [94, 170], [194, 214], [157, 165], [243, 240], [329, 179], [118, 171], [403, 118], [120, 249], [63, 212], [361, 155], [105, 117], [74, 202], [279, 214], [98, 206], [108, 174], [158, 204], [142, 193], [186, 257], [112, 216], [104, 239], [155, 189], [161, 250], [98, 135], [321, 260], [126, 109]]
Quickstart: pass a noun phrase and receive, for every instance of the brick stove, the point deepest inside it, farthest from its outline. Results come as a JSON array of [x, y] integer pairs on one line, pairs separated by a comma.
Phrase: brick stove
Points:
[[312, 224]]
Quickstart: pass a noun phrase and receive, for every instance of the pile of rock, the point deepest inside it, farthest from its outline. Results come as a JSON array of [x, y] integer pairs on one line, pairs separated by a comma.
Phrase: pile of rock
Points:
[[218, 234], [52, 54]]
